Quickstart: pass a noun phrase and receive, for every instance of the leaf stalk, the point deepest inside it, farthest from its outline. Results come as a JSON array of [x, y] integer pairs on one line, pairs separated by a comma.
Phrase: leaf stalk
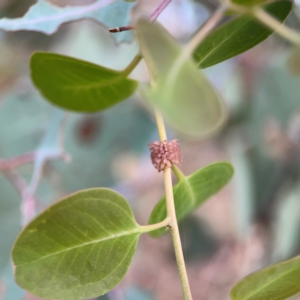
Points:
[[132, 65], [148, 228]]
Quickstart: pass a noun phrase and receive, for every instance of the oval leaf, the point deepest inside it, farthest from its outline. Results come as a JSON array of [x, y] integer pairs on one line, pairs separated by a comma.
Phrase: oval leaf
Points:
[[237, 36], [78, 85], [191, 191], [279, 281], [79, 248], [183, 94]]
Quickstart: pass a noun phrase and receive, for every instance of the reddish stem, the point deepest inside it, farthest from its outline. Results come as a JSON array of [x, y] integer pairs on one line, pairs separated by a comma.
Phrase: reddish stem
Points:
[[159, 10], [12, 163]]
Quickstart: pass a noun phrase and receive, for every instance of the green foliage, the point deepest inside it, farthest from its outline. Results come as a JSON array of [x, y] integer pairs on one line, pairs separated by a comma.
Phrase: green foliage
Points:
[[78, 85], [47, 18], [237, 36], [191, 191], [248, 2], [279, 281], [183, 94], [80, 247]]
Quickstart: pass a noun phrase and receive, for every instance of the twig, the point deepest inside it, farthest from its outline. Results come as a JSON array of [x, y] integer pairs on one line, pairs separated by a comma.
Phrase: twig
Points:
[[152, 18], [171, 213], [15, 162], [27, 192], [159, 10], [17, 181], [28, 206], [120, 29]]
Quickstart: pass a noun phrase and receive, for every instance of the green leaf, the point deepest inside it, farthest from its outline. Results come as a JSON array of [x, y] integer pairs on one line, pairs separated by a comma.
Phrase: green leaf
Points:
[[191, 191], [183, 94], [249, 2], [81, 247], [277, 282], [47, 18], [78, 85], [238, 36]]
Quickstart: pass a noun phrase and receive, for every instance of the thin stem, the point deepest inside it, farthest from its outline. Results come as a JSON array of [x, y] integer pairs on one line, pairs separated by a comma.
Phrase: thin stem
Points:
[[160, 125], [274, 24], [12, 163], [210, 24], [17, 181], [175, 235], [159, 225], [178, 173], [120, 29], [171, 213], [132, 65], [28, 206], [187, 52], [159, 10]]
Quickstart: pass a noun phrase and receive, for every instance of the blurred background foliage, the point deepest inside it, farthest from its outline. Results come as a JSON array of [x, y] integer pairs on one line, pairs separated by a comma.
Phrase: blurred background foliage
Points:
[[252, 222]]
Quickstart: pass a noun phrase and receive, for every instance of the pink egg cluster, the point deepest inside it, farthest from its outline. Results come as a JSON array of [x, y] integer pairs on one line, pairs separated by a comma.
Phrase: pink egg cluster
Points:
[[164, 154]]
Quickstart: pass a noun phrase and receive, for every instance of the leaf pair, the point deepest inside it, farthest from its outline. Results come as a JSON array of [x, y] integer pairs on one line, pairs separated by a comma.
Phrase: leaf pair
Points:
[[82, 246]]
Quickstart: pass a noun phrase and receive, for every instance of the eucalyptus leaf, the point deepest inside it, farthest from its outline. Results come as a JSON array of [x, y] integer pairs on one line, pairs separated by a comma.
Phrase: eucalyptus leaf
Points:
[[238, 36], [277, 282], [47, 18], [81, 247], [182, 93], [78, 85], [192, 191]]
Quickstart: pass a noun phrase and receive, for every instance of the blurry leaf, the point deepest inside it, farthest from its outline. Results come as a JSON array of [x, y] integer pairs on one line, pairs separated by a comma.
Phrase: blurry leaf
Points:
[[191, 191], [49, 147], [85, 245], [78, 85], [242, 185], [237, 36], [47, 18], [276, 97], [293, 62], [280, 281], [286, 227], [183, 94]]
